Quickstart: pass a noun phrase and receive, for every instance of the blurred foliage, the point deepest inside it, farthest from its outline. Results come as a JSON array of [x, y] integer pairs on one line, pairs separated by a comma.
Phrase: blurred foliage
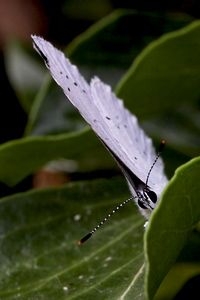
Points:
[[151, 58]]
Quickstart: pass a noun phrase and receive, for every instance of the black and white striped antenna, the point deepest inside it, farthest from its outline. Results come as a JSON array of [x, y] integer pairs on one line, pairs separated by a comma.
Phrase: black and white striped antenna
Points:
[[89, 234], [160, 149]]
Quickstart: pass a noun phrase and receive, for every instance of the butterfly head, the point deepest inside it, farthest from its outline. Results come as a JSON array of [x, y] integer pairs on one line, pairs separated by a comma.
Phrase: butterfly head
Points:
[[147, 199]]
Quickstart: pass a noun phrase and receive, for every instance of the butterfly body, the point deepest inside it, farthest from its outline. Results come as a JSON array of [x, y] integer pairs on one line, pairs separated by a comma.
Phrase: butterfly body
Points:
[[116, 127], [146, 198]]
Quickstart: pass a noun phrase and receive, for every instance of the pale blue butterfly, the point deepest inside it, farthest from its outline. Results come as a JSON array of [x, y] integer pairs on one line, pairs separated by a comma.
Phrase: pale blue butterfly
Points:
[[116, 127]]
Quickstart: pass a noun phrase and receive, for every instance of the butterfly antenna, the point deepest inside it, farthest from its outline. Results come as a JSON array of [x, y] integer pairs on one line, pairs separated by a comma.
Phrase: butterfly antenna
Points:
[[89, 234], [160, 149]]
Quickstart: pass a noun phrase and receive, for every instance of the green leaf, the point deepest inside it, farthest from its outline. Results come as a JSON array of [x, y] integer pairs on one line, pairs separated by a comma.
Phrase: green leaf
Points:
[[21, 157], [172, 222], [39, 254], [165, 75]]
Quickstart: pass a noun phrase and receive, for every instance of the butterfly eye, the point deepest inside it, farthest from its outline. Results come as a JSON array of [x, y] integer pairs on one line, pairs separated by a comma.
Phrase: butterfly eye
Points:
[[152, 195]]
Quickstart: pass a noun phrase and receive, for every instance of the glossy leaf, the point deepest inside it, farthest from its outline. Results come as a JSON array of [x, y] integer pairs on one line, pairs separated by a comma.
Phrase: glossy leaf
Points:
[[22, 157], [171, 223], [165, 74], [39, 254]]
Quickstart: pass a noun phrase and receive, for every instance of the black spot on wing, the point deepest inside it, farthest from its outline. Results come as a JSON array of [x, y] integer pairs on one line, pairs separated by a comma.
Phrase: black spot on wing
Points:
[[75, 84], [41, 54], [108, 118]]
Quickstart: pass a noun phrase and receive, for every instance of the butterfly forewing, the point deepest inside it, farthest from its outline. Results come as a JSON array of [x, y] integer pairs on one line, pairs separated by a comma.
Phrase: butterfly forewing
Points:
[[106, 114]]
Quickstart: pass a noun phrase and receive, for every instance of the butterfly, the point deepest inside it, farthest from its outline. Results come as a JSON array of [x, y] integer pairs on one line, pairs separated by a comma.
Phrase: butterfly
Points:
[[116, 127]]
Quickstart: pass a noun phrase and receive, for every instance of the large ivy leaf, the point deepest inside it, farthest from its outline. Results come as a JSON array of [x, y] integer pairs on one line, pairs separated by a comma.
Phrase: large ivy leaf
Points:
[[39, 254], [172, 223], [22, 157], [40, 258], [165, 74]]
